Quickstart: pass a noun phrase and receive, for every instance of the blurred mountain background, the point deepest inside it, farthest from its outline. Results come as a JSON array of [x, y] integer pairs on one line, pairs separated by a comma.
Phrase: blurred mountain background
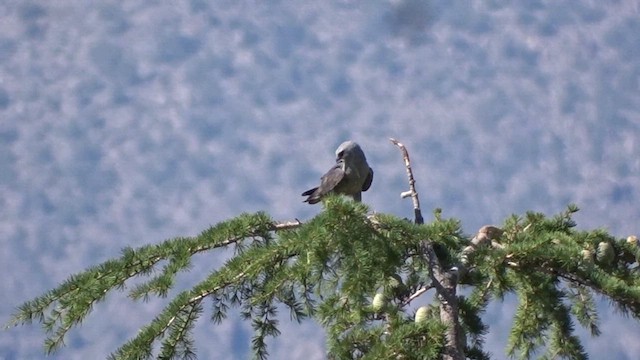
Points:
[[127, 123]]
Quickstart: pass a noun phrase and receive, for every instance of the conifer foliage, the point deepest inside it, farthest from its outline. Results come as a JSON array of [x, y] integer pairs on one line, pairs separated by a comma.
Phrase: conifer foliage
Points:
[[381, 286]]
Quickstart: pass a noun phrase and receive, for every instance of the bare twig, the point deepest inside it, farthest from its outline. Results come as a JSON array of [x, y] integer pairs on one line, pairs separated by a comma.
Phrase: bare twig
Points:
[[412, 183], [415, 295], [287, 225]]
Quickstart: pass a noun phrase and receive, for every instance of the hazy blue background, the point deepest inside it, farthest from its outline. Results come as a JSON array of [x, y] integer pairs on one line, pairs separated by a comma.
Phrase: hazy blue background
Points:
[[130, 122]]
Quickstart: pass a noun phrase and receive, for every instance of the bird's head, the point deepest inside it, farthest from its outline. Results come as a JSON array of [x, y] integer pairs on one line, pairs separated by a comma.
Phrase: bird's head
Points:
[[347, 151]]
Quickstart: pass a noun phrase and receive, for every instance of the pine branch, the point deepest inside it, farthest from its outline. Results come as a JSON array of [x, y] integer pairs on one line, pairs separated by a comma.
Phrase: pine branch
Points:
[[72, 301], [113, 273], [179, 342], [584, 308], [229, 279]]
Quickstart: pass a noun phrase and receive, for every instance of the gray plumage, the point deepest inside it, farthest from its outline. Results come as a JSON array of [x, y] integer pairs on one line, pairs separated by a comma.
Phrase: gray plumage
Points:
[[349, 176]]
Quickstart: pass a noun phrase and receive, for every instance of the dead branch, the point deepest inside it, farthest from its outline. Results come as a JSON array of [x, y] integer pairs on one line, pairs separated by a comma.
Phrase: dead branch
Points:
[[415, 295], [488, 235], [445, 282], [286, 225], [412, 183]]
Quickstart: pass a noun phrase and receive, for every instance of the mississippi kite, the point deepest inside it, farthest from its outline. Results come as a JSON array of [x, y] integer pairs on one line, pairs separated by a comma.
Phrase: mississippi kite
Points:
[[349, 176]]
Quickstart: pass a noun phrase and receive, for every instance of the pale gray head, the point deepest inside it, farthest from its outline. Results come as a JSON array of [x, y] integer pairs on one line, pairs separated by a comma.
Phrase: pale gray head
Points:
[[350, 151]]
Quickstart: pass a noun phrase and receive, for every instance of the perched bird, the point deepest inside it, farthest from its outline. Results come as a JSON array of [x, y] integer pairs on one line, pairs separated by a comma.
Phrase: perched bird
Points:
[[349, 176]]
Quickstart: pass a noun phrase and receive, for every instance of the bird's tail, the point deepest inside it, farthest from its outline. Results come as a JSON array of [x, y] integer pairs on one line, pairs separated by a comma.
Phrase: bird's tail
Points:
[[309, 192], [311, 198]]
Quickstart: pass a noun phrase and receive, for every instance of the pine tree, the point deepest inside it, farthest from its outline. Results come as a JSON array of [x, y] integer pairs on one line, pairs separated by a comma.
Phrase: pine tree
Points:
[[360, 275]]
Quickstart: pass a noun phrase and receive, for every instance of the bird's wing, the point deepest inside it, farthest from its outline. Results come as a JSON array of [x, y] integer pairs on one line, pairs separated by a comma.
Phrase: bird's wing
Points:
[[327, 183], [368, 180], [331, 179]]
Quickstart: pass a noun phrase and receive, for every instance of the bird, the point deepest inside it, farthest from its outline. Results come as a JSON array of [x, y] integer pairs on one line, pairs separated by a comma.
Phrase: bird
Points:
[[349, 176]]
